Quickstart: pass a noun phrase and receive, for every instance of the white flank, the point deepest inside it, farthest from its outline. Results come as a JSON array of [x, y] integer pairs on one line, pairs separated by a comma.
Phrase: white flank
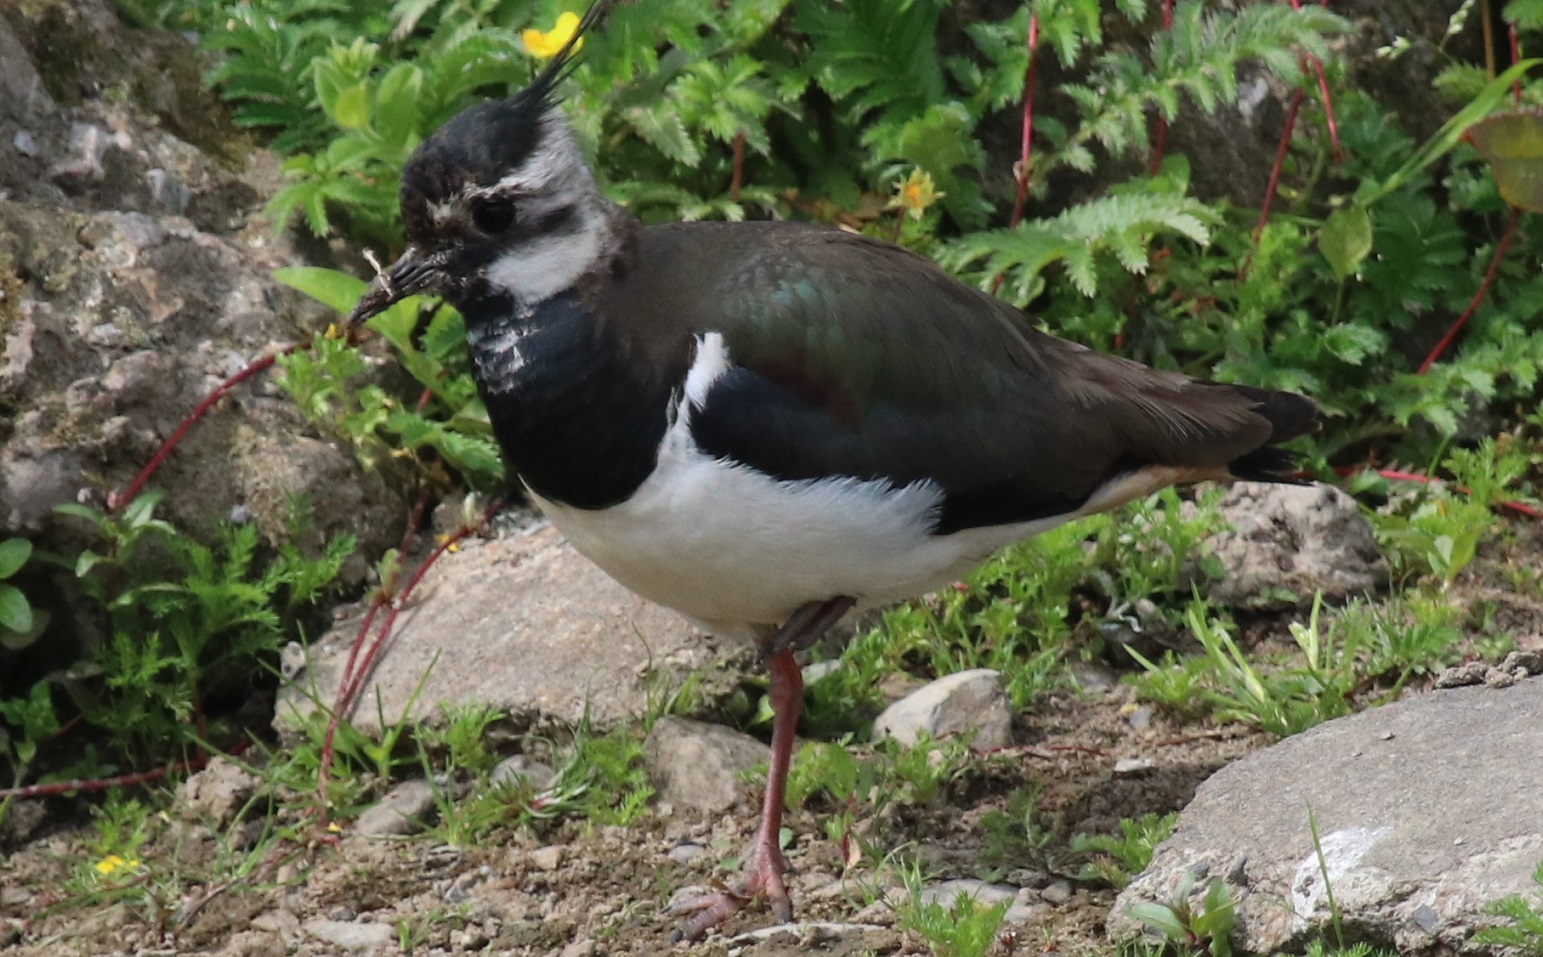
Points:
[[733, 548]]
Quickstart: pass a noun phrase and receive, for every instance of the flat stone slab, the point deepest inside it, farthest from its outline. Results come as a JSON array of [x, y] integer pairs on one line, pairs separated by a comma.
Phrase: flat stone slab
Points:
[[524, 624], [1427, 810]]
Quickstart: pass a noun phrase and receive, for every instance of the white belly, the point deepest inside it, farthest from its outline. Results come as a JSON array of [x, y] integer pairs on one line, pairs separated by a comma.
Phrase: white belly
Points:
[[731, 547]]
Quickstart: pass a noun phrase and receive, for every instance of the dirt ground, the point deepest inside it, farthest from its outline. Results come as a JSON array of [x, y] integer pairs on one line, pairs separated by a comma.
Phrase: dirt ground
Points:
[[585, 891]]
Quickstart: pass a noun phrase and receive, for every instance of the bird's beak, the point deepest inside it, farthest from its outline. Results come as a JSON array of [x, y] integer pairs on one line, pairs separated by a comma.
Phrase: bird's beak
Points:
[[415, 272]]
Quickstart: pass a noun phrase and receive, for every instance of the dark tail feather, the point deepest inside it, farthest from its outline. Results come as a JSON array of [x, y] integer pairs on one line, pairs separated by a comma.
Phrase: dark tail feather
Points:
[[1290, 416]]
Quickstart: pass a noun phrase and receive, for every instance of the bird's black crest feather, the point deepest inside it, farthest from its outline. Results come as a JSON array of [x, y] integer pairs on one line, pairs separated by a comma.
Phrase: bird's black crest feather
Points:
[[543, 89], [483, 141]]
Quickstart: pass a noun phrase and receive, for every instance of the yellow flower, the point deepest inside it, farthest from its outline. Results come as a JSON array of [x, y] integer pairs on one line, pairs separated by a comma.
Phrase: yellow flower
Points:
[[112, 864], [915, 193], [544, 46]]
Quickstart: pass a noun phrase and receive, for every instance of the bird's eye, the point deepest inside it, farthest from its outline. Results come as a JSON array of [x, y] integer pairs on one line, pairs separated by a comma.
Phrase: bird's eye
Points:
[[492, 216]]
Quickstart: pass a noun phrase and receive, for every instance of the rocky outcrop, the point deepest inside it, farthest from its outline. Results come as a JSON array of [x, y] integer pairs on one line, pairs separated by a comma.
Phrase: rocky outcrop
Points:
[[135, 275]]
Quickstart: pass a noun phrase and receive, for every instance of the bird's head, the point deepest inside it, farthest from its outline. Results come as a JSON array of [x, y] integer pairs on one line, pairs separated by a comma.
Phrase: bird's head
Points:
[[498, 202]]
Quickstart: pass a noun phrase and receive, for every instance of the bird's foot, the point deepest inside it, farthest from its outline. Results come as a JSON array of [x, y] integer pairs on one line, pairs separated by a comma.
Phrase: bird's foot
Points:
[[763, 881]]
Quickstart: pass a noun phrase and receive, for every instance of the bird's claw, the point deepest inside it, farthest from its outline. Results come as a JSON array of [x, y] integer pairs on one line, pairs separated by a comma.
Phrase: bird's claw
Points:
[[764, 880]]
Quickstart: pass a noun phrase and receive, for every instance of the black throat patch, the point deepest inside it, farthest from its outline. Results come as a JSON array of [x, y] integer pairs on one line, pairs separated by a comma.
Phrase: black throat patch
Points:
[[576, 421]]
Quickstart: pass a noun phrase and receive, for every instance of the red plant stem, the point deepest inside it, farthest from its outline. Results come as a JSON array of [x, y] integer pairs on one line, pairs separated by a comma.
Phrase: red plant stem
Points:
[[353, 680], [738, 179], [121, 780], [342, 704], [356, 681], [1328, 109], [1395, 475], [1025, 149], [324, 765], [1323, 93], [1479, 294], [117, 500], [1274, 182], [1161, 132]]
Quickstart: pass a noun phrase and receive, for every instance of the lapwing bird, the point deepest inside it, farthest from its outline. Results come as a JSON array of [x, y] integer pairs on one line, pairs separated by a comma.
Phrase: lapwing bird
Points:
[[764, 425]]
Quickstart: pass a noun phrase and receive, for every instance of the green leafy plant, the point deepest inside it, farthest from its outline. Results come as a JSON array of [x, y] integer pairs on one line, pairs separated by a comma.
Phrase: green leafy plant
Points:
[[1441, 533], [184, 619], [1522, 930], [1117, 859], [20, 624], [1189, 926], [962, 928], [448, 422], [1015, 834]]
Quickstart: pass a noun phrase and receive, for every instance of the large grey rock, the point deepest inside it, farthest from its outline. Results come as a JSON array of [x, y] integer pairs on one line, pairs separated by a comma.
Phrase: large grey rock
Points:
[[135, 275], [1426, 810], [524, 624], [697, 765], [954, 704], [1289, 541]]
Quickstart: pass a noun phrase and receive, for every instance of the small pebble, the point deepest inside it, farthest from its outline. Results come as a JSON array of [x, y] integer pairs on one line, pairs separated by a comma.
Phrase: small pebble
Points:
[[547, 858], [1057, 893], [536, 775], [685, 853], [14, 896], [583, 947], [350, 935]]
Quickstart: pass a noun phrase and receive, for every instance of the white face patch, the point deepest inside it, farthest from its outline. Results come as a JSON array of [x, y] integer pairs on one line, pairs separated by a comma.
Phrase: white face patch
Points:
[[554, 180], [540, 268]]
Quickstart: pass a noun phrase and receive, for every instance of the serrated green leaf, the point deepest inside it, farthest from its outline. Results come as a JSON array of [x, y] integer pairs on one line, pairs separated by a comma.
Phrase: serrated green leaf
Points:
[[1353, 343], [664, 130]]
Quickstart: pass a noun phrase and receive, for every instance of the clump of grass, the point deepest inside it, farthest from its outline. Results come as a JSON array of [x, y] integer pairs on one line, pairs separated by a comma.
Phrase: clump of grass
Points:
[[1363, 647]]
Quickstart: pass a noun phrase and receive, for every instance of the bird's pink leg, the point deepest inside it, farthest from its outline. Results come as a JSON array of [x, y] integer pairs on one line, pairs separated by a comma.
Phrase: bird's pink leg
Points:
[[764, 872]]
